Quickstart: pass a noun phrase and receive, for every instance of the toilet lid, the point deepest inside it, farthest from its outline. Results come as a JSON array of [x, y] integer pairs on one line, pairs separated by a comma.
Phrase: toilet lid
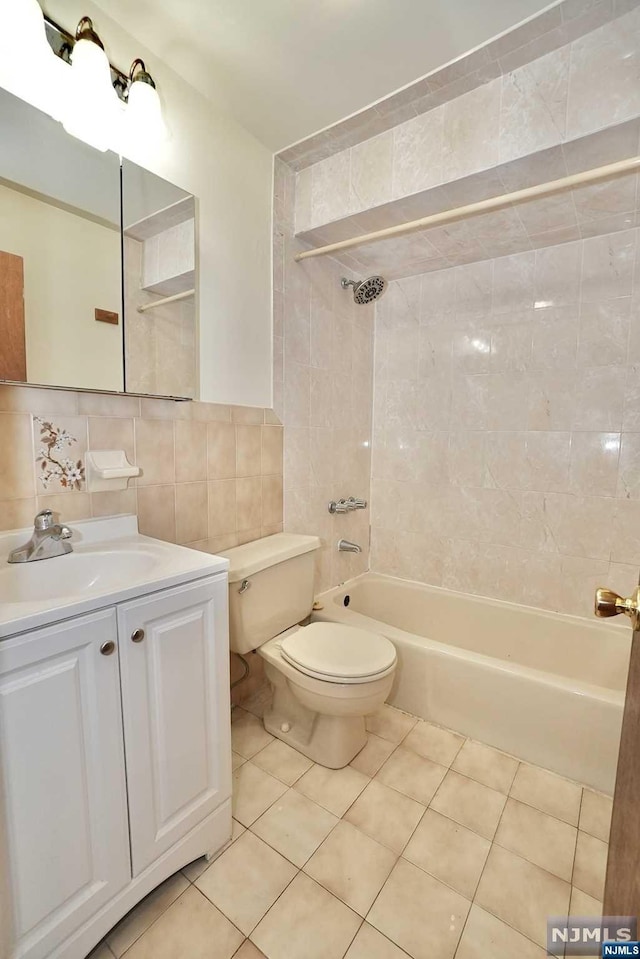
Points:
[[337, 652]]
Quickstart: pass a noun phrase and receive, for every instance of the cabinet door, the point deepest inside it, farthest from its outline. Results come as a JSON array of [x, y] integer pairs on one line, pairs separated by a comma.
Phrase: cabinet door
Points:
[[174, 654], [62, 779]]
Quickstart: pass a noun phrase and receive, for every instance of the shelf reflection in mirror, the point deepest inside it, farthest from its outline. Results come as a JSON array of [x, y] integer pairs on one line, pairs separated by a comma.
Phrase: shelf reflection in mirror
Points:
[[159, 244]]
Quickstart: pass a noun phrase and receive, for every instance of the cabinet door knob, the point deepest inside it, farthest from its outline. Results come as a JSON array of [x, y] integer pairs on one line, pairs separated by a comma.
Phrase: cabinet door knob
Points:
[[137, 635], [107, 648]]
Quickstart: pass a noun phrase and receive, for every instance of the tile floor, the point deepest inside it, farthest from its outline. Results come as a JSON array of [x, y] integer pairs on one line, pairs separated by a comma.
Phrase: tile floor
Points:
[[427, 846]]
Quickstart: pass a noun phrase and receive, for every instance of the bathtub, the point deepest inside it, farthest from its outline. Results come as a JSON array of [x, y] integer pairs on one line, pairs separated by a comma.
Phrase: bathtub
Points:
[[545, 687]]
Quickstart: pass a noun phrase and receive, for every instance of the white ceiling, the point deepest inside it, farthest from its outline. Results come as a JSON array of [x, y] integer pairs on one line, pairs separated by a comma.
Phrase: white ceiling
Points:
[[288, 68]]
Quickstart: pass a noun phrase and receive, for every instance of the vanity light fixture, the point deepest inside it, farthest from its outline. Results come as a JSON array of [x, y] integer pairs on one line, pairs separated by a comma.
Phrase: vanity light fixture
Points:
[[143, 118], [95, 101], [93, 109], [29, 68]]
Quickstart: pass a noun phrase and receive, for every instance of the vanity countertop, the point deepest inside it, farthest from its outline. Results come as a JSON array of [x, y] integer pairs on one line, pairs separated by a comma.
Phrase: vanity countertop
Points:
[[110, 563]]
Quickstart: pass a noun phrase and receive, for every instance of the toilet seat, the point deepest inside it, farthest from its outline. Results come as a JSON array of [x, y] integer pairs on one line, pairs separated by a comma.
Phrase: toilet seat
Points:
[[338, 654]]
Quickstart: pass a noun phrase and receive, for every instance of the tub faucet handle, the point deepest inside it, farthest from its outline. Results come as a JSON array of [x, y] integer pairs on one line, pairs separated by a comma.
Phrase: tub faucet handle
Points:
[[608, 603]]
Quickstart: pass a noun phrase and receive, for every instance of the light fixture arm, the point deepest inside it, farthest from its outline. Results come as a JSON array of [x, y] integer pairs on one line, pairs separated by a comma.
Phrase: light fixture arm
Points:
[[85, 31], [143, 76]]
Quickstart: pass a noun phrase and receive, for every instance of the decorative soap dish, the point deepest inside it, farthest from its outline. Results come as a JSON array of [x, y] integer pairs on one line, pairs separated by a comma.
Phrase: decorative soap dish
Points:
[[108, 470]]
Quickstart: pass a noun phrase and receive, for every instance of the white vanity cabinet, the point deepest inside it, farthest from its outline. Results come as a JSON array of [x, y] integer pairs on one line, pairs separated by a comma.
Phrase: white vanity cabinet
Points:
[[175, 734], [63, 777], [115, 762]]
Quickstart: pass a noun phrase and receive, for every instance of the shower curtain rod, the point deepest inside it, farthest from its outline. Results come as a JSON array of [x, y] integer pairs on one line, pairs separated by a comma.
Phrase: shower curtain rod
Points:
[[481, 206]]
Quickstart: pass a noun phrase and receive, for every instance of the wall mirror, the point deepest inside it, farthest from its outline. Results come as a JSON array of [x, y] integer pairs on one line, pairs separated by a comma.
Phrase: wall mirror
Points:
[[97, 266]]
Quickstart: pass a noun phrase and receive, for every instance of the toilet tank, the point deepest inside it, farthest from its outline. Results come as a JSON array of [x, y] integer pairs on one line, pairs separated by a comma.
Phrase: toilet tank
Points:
[[271, 587]]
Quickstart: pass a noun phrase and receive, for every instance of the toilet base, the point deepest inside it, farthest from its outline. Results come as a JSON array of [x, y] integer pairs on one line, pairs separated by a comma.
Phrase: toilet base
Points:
[[331, 741]]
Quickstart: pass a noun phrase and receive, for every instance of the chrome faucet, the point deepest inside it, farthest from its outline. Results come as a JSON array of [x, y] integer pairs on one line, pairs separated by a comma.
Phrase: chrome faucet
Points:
[[345, 546], [49, 539]]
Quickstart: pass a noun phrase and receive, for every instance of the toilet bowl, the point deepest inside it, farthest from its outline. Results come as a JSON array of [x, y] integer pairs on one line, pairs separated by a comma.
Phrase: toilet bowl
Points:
[[321, 696], [326, 677]]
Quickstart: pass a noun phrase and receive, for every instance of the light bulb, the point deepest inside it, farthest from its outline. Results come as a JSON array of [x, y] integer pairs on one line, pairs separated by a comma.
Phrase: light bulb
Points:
[[93, 108], [28, 66], [144, 123]]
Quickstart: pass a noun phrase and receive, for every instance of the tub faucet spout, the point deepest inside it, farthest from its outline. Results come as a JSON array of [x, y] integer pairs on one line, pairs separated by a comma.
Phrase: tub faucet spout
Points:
[[345, 546]]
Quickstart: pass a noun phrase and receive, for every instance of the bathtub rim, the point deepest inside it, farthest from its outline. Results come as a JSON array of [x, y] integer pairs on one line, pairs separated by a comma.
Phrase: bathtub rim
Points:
[[567, 685]]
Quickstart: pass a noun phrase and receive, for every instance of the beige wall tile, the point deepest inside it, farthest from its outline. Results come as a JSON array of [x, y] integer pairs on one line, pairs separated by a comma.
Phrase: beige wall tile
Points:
[[17, 513], [221, 456], [192, 517], [247, 415], [272, 496], [155, 452], [17, 464], [248, 503], [103, 404], [68, 506], [248, 450], [112, 433], [191, 451], [272, 450], [30, 399], [222, 507], [114, 503], [157, 512]]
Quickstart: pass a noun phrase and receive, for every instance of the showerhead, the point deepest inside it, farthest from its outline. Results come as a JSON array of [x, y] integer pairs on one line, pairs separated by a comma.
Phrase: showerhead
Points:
[[366, 291]]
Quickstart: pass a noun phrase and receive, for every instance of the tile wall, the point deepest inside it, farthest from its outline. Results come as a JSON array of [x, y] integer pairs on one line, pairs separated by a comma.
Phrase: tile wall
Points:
[[576, 90], [506, 444], [211, 475], [555, 27], [323, 382]]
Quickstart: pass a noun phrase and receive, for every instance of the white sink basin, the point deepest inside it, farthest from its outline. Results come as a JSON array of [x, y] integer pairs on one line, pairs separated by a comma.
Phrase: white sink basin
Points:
[[110, 563], [74, 574]]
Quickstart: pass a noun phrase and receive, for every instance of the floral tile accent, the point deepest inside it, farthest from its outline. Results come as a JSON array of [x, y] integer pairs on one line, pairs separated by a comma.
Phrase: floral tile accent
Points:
[[57, 465]]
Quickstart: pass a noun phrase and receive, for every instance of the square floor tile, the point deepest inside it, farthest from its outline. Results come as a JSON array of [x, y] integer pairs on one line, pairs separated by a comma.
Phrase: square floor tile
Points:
[[191, 927], [375, 753], [295, 826], [412, 775], [440, 745], [419, 914], [584, 905], [246, 881], [452, 853], [595, 814], [145, 914], [548, 842], [237, 760], [590, 865], [387, 816], [485, 936], [486, 765], [248, 735], [198, 866], [253, 792], [352, 866], [280, 760], [306, 922], [390, 724], [548, 792], [521, 893], [335, 789], [259, 701], [469, 803], [248, 951], [371, 944]]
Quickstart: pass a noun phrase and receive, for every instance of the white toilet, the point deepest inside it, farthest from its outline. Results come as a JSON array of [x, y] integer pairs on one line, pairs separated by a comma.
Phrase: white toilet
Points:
[[326, 677]]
